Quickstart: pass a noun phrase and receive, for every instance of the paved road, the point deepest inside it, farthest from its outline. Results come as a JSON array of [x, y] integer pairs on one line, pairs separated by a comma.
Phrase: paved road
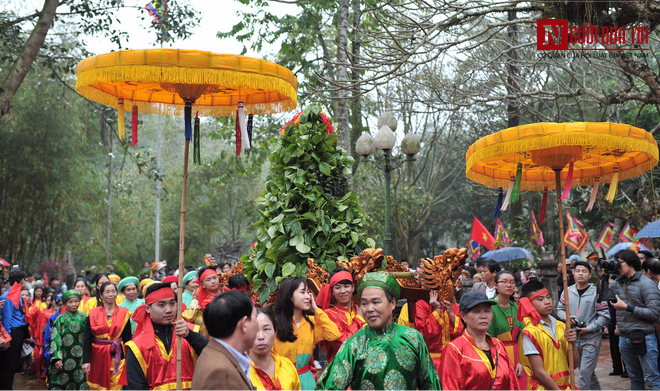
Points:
[[25, 382]]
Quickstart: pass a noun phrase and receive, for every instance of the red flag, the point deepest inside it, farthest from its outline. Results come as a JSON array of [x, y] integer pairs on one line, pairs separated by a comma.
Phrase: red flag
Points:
[[14, 294], [46, 280], [481, 235]]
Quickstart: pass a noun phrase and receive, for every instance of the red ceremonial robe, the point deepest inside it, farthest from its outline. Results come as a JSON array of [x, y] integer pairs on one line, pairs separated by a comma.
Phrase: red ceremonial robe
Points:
[[39, 323], [436, 329], [101, 376], [467, 367], [348, 323], [158, 366]]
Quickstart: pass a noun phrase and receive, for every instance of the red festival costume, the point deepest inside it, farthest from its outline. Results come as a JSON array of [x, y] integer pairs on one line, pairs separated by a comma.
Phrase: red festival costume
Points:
[[39, 321], [158, 366], [107, 347], [347, 320], [203, 296], [466, 367], [436, 328]]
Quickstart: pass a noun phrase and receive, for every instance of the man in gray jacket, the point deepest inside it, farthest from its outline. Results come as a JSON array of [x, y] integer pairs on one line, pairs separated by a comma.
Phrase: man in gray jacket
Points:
[[637, 307], [590, 317]]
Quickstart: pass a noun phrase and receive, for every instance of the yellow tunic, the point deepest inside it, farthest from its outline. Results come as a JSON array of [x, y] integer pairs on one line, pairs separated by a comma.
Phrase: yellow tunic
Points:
[[403, 317], [301, 351], [286, 375], [89, 305], [553, 352]]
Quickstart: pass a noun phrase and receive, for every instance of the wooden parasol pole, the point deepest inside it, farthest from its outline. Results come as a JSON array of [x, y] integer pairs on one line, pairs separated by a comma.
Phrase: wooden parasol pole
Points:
[[182, 237], [571, 364]]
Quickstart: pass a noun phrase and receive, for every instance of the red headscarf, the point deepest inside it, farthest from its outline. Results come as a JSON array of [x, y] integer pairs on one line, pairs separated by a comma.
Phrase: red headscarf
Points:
[[140, 315], [526, 308], [203, 297], [325, 295]]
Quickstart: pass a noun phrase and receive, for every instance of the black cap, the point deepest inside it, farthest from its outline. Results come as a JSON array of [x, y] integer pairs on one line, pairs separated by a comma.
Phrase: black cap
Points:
[[472, 299]]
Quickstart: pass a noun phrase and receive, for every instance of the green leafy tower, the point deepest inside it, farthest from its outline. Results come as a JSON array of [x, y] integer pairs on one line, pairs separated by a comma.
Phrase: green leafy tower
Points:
[[307, 209]]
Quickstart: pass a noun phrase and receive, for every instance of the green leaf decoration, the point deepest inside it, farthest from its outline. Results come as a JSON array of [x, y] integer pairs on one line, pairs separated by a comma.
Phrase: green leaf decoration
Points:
[[306, 209]]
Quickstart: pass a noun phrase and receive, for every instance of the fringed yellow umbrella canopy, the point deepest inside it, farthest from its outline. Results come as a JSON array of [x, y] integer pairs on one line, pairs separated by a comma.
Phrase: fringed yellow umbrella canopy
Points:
[[535, 157], [596, 148], [171, 82], [158, 81]]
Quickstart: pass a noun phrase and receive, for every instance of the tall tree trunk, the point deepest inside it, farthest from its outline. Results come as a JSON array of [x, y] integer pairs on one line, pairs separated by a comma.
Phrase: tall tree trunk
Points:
[[24, 62], [356, 101], [342, 76], [513, 88]]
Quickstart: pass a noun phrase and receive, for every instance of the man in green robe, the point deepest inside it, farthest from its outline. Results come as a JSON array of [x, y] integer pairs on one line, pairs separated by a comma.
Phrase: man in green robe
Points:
[[66, 347], [383, 355], [129, 287]]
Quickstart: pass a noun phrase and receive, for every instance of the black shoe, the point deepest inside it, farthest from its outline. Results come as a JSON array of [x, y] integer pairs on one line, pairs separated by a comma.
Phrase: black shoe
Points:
[[625, 375], [614, 373]]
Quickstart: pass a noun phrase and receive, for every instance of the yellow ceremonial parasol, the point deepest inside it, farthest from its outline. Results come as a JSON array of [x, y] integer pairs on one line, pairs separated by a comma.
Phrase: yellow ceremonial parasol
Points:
[[535, 156], [171, 82]]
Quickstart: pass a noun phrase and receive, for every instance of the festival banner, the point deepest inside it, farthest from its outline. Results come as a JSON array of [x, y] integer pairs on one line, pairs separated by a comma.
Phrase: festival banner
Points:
[[481, 235], [501, 236], [474, 248], [537, 235], [627, 234], [575, 237], [574, 232], [605, 236]]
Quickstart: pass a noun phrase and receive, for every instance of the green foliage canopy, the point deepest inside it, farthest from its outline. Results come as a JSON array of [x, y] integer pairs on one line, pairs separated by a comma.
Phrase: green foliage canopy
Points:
[[306, 210]]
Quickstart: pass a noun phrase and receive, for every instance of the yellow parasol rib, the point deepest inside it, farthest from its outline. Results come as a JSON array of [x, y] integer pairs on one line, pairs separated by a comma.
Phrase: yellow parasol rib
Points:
[[146, 78], [603, 146]]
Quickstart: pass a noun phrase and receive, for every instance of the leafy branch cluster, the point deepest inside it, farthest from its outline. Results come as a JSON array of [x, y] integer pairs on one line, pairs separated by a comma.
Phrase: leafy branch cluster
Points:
[[306, 210]]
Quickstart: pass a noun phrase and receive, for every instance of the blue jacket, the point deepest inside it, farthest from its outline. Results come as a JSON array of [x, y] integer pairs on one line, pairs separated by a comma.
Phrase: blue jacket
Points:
[[12, 317]]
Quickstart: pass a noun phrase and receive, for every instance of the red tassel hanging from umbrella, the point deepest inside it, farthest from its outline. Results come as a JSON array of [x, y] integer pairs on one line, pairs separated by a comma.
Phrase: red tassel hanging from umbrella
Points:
[[544, 203], [134, 126]]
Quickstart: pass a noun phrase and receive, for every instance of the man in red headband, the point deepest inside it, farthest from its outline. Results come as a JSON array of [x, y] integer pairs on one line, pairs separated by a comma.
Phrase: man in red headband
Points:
[[151, 354], [335, 299], [545, 340]]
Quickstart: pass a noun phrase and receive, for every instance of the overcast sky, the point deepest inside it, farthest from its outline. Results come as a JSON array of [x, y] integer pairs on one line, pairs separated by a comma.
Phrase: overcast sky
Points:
[[217, 15]]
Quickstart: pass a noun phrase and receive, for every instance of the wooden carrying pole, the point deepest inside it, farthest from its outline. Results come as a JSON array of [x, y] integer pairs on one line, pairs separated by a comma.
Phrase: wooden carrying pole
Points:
[[571, 364], [182, 237]]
